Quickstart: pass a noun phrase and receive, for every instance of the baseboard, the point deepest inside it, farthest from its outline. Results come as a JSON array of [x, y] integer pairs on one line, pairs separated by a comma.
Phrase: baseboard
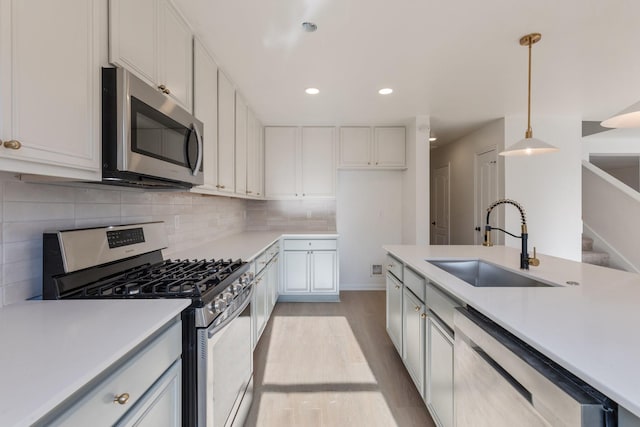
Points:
[[363, 287], [309, 298]]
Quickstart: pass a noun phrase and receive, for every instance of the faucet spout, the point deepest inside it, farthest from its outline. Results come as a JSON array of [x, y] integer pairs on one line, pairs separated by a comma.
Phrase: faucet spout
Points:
[[524, 235]]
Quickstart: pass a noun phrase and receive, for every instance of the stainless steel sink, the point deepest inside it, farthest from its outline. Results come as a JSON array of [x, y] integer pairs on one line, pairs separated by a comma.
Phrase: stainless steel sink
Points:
[[483, 274]]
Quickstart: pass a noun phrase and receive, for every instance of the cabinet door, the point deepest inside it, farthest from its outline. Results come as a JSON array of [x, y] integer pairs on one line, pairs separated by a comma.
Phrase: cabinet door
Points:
[[280, 162], [241, 145], [318, 162], [413, 334], [355, 147], [440, 377], [133, 37], [175, 55], [161, 405], [394, 311], [260, 309], [50, 87], [205, 106], [390, 147], [272, 291], [323, 271], [296, 272], [254, 155], [226, 134]]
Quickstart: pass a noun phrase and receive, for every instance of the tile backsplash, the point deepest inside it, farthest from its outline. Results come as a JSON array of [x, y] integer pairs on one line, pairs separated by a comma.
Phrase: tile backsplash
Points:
[[291, 215], [29, 209]]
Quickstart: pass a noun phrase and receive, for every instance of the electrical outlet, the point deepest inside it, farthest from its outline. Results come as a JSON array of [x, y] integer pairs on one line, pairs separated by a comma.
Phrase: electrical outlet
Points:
[[376, 270]]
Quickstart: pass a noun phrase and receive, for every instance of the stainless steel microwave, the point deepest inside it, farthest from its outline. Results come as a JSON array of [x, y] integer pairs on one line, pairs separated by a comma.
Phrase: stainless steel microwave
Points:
[[148, 140]]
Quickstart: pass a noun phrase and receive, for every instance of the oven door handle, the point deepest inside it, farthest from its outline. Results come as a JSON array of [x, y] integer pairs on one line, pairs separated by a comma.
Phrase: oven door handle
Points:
[[214, 329], [196, 168]]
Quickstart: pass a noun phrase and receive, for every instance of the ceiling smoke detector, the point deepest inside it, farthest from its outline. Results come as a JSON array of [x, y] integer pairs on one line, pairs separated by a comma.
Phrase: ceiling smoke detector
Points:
[[309, 27]]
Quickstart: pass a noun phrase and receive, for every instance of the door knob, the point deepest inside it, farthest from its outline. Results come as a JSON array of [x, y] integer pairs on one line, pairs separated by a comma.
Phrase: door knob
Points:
[[433, 223], [478, 229], [13, 144]]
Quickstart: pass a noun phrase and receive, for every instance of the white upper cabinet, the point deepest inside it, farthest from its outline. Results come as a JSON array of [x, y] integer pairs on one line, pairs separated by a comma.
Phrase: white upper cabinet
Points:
[[318, 166], [241, 145], [175, 55], [355, 147], [205, 108], [389, 146], [50, 87], [280, 162], [152, 40], [254, 155], [226, 134], [372, 148], [299, 162]]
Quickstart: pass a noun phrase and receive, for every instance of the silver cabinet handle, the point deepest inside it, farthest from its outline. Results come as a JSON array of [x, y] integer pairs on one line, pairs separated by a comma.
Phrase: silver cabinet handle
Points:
[[162, 88], [423, 316], [195, 170], [397, 286], [390, 265], [416, 308], [121, 399]]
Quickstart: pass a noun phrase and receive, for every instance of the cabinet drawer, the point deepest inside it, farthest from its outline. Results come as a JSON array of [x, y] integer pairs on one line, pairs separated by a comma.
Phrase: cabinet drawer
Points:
[[441, 304], [134, 377], [273, 250], [394, 266], [414, 282], [261, 262], [308, 245]]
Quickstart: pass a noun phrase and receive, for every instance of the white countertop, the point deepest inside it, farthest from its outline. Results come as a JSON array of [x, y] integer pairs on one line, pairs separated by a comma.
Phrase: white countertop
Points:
[[590, 329], [50, 349], [246, 245]]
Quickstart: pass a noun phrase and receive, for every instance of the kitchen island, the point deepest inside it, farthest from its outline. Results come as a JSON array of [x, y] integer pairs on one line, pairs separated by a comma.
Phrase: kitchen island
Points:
[[588, 328]]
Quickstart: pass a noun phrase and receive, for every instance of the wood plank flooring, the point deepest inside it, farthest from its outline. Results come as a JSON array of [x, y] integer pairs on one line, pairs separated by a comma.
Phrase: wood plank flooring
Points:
[[332, 365]]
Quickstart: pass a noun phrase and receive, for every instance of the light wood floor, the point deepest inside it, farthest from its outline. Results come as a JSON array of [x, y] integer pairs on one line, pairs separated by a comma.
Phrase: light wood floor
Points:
[[332, 364]]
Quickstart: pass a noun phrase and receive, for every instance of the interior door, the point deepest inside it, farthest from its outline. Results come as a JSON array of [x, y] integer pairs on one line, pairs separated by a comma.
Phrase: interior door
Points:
[[486, 185], [440, 222]]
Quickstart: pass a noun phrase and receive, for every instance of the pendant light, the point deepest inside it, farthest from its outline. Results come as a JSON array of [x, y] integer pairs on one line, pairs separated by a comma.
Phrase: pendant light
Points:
[[627, 118], [529, 145]]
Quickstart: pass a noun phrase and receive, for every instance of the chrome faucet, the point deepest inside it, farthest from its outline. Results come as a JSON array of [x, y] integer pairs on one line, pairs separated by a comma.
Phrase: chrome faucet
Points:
[[525, 261]]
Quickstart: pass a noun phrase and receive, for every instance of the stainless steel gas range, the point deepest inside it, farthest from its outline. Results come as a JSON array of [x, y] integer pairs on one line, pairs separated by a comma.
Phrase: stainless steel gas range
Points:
[[126, 262]]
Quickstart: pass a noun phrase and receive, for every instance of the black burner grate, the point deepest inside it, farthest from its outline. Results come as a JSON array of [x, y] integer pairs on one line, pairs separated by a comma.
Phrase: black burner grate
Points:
[[167, 279]]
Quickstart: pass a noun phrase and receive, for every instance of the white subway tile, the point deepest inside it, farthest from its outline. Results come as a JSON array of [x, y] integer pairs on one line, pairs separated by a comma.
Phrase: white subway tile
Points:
[[93, 195], [20, 231], [136, 197], [97, 222], [20, 271], [18, 191], [21, 291], [20, 251], [85, 211], [32, 211]]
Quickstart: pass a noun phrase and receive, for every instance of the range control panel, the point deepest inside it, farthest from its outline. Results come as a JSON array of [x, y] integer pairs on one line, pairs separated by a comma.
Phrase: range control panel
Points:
[[131, 236]]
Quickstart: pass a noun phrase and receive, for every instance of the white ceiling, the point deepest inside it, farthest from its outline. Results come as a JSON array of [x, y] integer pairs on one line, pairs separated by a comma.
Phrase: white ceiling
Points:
[[457, 61]]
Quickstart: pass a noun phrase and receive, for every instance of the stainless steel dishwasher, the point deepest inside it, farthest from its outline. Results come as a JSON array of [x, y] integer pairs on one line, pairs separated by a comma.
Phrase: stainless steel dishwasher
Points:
[[501, 381]]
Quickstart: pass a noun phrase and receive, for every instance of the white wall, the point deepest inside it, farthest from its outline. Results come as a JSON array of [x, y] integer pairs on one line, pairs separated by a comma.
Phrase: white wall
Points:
[[369, 215], [615, 141], [415, 187], [460, 155], [548, 186]]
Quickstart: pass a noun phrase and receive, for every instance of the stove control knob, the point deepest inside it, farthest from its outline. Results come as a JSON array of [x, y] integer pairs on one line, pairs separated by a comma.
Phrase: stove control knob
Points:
[[238, 287], [219, 305], [227, 296]]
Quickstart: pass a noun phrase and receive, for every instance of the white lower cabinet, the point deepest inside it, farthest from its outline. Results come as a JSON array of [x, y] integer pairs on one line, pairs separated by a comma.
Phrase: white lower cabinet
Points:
[[310, 267], [440, 373], [259, 305], [413, 337], [265, 289], [142, 389], [394, 311]]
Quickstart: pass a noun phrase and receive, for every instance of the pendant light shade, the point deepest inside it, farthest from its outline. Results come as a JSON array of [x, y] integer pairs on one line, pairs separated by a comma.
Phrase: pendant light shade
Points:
[[627, 118], [529, 145]]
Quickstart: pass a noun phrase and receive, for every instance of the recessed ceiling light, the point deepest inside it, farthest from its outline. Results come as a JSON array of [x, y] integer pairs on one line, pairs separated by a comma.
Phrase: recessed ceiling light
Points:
[[385, 91], [309, 27], [312, 91]]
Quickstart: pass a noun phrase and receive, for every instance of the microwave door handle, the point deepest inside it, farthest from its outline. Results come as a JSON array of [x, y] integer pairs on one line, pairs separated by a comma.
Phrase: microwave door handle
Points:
[[196, 168]]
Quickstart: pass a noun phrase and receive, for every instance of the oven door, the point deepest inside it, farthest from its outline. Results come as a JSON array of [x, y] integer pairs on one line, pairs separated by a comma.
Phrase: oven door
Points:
[[225, 366]]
